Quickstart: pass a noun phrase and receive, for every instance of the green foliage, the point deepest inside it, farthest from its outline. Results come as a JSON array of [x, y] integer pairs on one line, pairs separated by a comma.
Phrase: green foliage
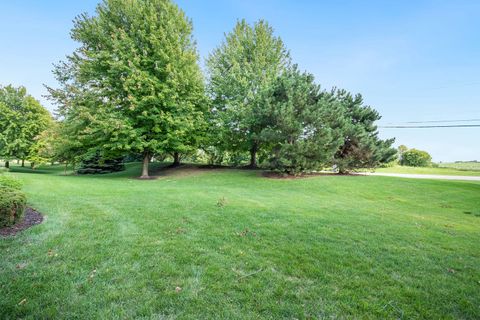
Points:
[[304, 125], [70, 138], [22, 119], [12, 200], [134, 85], [416, 158], [250, 114], [212, 155], [241, 70], [390, 164], [10, 182], [12, 205], [401, 149], [361, 148], [95, 164], [47, 147]]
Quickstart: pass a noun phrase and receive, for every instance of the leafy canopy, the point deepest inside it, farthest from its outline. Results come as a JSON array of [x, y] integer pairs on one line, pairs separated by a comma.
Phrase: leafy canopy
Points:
[[241, 70], [134, 84], [22, 119]]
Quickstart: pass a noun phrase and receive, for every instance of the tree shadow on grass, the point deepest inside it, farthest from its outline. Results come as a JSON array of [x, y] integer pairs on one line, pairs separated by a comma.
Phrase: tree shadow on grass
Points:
[[29, 170], [183, 170]]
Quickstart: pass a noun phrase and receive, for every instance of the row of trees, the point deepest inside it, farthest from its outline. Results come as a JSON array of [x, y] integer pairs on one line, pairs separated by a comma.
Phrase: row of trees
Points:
[[134, 86], [23, 122]]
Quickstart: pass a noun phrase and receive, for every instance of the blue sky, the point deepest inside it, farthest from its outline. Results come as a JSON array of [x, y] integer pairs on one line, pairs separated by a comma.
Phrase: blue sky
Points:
[[411, 60]]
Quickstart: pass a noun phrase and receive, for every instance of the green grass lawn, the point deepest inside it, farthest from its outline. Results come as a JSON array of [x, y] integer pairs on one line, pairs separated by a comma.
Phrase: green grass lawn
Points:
[[448, 171], [230, 244]]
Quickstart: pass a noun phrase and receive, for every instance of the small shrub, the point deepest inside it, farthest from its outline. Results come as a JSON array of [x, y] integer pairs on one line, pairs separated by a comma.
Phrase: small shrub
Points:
[[10, 182], [12, 206], [416, 158]]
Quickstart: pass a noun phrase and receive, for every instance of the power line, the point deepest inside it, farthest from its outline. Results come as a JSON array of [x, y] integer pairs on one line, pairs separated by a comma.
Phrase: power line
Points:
[[453, 85], [439, 121], [428, 127]]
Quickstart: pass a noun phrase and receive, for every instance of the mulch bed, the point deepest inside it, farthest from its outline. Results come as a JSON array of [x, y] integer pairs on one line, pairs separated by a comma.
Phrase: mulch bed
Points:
[[30, 218]]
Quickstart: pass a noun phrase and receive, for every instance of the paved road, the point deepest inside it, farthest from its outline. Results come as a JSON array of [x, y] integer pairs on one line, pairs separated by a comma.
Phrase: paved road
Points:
[[423, 176]]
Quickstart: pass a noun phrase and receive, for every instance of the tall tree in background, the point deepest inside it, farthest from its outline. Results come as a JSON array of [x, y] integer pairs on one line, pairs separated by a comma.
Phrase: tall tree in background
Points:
[[134, 85], [361, 147], [22, 119], [241, 70], [56, 144], [86, 127]]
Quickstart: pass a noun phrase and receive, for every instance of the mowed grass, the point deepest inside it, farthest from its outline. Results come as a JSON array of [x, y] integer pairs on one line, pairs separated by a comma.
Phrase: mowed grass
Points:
[[231, 244], [446, 171]]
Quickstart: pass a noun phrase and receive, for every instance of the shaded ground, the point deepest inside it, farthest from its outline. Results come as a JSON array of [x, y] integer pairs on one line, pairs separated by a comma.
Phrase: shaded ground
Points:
[[276, 175], [186, 170], [31, 218]]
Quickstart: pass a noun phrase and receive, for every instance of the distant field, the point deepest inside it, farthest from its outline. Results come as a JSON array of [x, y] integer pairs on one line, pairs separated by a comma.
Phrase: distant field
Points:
[[475, 166], [448, 171]]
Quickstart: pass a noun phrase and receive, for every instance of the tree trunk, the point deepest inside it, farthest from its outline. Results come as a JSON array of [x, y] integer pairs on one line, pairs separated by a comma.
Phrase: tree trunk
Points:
[[7, 164], [146, 161], [32, 165], [65, 170], [253, 156], [176, 159], [23, 163], [18, 161]]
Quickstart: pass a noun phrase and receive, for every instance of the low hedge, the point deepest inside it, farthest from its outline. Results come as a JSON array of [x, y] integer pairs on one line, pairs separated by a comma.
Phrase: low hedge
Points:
[[6, 181], [12, 206]]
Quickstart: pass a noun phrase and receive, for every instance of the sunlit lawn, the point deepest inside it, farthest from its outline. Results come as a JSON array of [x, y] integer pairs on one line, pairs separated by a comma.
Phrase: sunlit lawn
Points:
[[231, 244], [428, 170]]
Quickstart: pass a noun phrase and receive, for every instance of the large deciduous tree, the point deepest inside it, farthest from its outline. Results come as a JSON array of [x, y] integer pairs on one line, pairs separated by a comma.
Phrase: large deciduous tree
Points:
[[241, 70], [134, 84], [22, 119]]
